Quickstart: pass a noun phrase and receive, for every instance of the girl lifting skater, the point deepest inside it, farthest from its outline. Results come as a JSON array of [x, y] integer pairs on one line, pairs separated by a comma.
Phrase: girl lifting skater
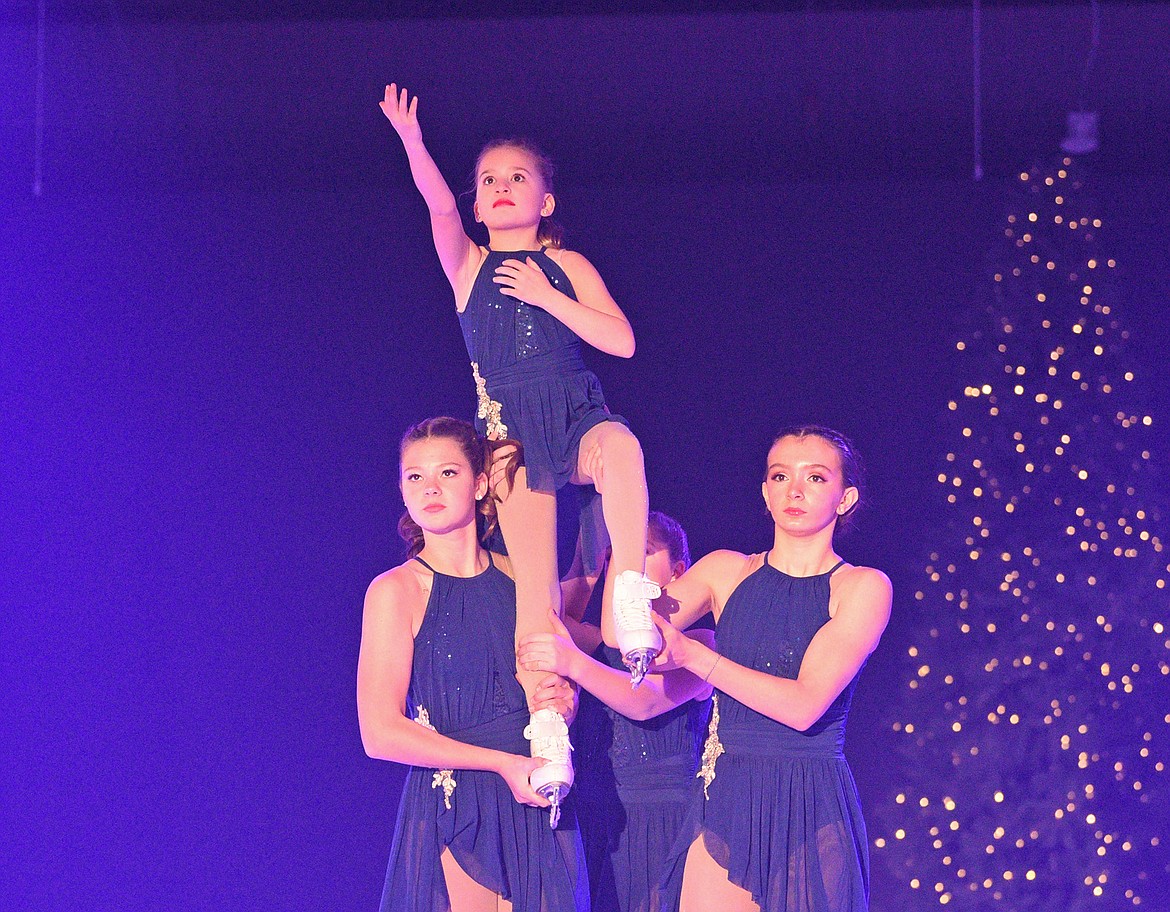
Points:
[[777, 825], [436, 689]]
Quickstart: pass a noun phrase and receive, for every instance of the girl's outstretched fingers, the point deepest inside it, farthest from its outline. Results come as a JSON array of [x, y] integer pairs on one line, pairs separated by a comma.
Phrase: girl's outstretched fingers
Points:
[[402, 112], [544, 651], [499, 470], [592, 466]]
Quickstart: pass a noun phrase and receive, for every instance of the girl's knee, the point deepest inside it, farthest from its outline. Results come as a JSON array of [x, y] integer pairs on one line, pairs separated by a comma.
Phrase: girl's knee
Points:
[[619, 442]]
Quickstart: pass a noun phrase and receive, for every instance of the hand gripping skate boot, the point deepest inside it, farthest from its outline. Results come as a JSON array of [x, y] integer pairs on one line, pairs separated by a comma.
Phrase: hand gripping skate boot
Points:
[[638, 639], [549, 739]]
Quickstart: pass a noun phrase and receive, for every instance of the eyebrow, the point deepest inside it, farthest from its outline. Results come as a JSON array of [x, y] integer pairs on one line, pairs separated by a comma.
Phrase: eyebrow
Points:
[[489, 170], [811, 465], [441, 465]]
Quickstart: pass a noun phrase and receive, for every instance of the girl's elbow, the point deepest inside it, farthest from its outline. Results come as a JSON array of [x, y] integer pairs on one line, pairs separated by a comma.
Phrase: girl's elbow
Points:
[[372, 745], [803, 720], [643, 713], [653, 704], [619, 341], [379, 743], [374, 749], [801, 723], [443, 209]]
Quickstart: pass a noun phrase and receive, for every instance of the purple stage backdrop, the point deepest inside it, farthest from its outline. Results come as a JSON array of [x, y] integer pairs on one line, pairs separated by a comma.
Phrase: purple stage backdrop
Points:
[[224, 309]]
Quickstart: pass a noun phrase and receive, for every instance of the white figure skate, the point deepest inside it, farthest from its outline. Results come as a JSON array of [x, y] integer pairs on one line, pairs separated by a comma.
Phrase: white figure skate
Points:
[[638, 639], [549, 739]]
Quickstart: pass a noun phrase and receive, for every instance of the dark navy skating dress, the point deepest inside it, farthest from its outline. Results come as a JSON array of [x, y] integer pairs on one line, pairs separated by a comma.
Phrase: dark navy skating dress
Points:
[[532, 384], [635, 782], [783, 815], [463, 684]]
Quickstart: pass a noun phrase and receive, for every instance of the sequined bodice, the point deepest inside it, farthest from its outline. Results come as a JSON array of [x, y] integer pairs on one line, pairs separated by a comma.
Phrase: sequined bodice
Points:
[[464, 665], [500, 331], [767, 624]]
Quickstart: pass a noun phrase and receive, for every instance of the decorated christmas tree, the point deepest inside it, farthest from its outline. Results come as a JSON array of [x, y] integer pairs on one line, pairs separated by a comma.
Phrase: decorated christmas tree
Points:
[[1034, 717]]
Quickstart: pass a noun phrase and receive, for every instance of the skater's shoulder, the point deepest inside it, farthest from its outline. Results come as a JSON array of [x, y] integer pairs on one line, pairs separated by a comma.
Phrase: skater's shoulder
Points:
[[400, 586], [726, 561]]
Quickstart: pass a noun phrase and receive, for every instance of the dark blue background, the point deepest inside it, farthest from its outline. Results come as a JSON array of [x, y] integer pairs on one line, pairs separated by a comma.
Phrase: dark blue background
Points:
[[210, 345]]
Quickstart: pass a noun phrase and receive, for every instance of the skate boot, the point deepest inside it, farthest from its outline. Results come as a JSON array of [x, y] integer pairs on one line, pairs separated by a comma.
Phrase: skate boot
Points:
[[549, 737], [638, 639]]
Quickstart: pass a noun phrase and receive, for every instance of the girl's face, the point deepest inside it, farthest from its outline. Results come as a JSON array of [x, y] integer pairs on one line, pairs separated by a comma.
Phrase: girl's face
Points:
[[509, 192], [804, 488], [659, 566], [438, 486]]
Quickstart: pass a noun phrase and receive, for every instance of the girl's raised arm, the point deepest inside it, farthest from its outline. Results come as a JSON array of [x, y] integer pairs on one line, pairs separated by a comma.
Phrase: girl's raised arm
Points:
[[456, 250], [384, 664]]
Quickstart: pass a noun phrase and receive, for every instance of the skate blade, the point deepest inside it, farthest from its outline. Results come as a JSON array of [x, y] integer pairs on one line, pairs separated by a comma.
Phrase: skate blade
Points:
[[638, 662], [555, 793]]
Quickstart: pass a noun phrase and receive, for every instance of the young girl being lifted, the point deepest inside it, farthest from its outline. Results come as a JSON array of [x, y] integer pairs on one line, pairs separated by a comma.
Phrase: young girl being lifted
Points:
[[525, 304]]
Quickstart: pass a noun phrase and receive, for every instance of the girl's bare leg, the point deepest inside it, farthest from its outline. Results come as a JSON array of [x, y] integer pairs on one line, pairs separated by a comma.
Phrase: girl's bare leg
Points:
[[705, 885], [610, 459], [528, 521], [465, 894]]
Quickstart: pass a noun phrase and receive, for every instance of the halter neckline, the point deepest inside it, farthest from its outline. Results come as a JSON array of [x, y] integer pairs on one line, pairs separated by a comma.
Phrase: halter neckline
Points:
[[543, 249], [491, 564], [837, 566]]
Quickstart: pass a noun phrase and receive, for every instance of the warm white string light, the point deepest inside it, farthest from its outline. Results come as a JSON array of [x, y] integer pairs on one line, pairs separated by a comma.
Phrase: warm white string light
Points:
[[1033, 716]]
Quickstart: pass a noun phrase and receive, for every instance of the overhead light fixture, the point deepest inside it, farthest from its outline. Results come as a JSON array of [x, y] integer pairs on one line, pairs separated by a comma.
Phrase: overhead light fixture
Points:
[[1080, 136]]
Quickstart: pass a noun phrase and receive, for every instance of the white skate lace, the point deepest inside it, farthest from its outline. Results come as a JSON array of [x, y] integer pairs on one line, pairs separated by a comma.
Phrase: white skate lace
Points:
[[549, 736], [632, 594]]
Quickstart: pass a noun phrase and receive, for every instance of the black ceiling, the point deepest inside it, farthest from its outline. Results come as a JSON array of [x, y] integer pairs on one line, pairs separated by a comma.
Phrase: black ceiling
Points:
[[196, 93], [231, 10]]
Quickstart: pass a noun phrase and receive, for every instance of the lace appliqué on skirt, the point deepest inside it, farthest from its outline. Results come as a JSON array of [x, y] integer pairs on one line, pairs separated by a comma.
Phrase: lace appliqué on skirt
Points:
[[489, 409], [712, 749], [444, 778]]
